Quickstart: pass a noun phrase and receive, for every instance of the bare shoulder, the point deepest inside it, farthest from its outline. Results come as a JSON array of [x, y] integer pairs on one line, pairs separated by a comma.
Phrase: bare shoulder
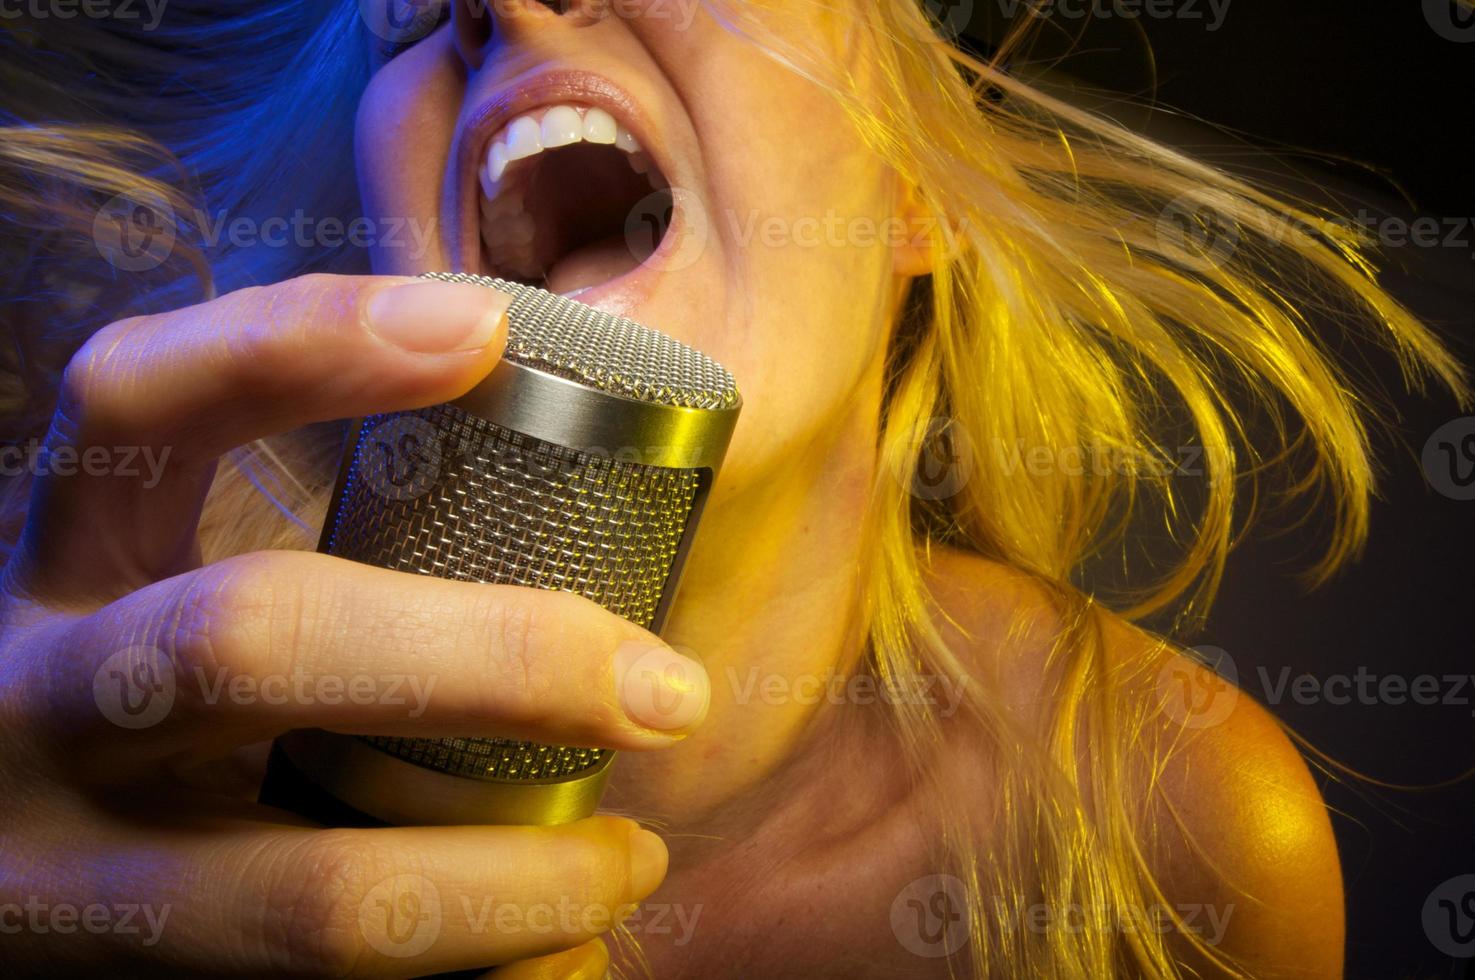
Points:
[[1245, 843]]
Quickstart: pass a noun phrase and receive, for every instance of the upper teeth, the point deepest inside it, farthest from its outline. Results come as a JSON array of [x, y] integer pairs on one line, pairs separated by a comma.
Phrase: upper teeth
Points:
[[508, 231], [549, 127]]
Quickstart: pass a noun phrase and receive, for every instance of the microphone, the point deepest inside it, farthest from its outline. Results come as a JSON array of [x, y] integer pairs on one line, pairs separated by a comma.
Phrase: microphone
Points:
[[580, 463]]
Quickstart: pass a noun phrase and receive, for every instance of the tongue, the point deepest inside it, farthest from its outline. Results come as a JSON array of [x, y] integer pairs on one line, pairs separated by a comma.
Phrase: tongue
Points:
[[591, 265]]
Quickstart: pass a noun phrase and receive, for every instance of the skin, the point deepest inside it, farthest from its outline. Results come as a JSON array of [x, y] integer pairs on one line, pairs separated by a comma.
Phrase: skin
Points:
[[744, 136], [787, 882]]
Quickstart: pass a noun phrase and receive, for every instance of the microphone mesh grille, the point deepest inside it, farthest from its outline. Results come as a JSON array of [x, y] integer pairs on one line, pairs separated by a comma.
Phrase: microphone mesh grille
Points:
[[604, 351], [441, 492]]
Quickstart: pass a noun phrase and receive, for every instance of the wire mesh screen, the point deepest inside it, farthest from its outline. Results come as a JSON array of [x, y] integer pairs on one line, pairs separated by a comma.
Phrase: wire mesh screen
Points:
[[441, 492]]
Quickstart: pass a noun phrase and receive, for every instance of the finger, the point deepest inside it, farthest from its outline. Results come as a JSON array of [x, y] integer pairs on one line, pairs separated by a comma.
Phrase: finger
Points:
[[389, 902], [257, 645], [148, 404], [587, 962]]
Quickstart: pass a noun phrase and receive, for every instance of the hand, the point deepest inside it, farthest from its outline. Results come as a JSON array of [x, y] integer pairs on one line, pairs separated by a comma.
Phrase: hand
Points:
[[126, 667]]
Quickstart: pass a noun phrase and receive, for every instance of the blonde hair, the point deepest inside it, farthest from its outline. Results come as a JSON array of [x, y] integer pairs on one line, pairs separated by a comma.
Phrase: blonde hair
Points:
[[1058, 314], [1064, 313]]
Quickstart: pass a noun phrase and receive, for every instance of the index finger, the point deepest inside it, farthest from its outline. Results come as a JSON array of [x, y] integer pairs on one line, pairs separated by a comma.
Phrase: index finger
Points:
[[186, 386]]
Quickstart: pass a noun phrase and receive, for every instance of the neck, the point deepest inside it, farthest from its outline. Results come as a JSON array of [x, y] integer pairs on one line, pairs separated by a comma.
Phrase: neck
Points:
[[769, 603]]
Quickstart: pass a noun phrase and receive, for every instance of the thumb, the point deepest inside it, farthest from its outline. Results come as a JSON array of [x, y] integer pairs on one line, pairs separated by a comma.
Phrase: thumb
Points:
[[587, 962]]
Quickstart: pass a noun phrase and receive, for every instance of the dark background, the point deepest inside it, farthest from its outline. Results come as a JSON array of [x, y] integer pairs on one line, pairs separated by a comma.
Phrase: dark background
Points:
[[1377, 96]]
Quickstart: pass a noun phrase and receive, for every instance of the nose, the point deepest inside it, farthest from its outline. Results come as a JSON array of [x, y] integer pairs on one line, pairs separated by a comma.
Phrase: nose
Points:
[[481, 25]]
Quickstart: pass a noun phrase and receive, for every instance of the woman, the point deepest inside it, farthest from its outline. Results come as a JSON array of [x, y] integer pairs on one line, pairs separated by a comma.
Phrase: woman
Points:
[[963, 336]]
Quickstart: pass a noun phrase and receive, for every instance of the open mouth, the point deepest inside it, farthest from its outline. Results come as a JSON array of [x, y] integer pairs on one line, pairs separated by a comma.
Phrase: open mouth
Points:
[[569, 200]]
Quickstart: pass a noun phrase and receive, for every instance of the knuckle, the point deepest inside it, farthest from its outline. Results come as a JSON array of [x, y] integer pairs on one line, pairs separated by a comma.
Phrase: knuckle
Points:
[[313, 905], [243, 615], [266, 339], [92, 380], [285, 320], [546, 660], [520, 677], [596, 860], [43, 659]]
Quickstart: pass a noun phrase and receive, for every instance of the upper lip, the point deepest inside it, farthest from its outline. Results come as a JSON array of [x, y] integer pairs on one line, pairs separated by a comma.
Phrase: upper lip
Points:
[[521, 95]]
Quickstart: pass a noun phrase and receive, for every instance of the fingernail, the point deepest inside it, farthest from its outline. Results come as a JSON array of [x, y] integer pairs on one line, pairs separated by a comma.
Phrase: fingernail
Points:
[[438, 317], [659, 688], [648, 859], [592, 962]]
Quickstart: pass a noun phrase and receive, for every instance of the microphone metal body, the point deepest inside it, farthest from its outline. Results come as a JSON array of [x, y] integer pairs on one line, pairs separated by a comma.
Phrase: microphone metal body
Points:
[[581, 463]]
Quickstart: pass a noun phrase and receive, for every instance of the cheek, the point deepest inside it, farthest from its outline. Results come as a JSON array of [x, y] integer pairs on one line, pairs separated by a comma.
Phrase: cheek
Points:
[[402, 137], [817, 329], [801, 206], [803, 221]]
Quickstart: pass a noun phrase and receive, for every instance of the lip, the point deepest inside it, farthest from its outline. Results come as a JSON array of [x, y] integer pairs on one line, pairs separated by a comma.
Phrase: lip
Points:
[[533, 91]]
